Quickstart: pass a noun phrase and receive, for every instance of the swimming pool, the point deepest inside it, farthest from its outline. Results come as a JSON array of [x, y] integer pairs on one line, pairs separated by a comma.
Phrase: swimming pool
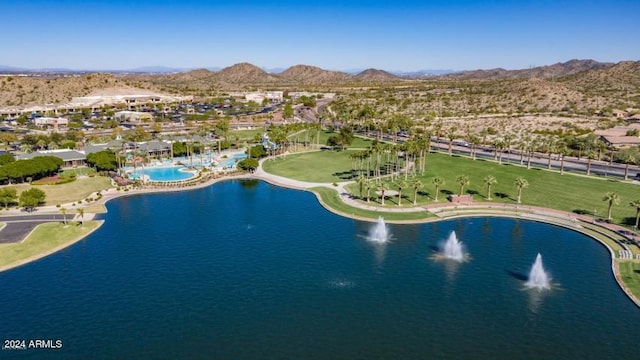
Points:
[[231, 161], [168, 173]]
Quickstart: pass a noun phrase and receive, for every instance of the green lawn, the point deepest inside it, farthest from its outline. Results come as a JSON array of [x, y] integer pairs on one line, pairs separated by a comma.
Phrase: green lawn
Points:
[[78, 171], [69, 192], [630, 273], [330, 198], [574, 193], [312, 137], [43, 240], [245, 135], [318, 166]]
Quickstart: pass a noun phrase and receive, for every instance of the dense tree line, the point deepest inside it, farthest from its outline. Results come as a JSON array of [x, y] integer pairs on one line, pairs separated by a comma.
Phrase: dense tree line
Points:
[[103, 160], [36, 168]]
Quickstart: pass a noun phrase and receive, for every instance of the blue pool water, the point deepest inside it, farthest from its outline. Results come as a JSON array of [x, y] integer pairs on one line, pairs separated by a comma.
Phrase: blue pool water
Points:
[[233, 159], [246, 270], [167, 173]]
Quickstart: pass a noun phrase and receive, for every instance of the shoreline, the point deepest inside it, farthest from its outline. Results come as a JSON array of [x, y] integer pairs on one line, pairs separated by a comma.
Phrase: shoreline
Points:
[[51, 251], [479, 211]]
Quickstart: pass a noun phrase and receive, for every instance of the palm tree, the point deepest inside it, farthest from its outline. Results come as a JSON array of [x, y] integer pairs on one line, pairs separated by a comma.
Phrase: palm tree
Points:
[[636, 204], [563, 150], [463, 181], [367, 187], [489, 180], [611, 198], [437, 182], [520, 184], [627, 159], [63, 211], [361, 180], [451, 135], [591, 155], [81, 213], [382, 188], [401, 184], [417, 185]]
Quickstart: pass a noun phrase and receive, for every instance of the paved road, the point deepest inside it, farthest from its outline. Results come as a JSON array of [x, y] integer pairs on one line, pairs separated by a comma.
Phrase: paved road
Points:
[[19, 226]]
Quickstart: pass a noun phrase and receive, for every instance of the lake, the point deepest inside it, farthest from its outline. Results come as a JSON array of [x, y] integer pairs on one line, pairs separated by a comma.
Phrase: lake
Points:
[[246, 270]]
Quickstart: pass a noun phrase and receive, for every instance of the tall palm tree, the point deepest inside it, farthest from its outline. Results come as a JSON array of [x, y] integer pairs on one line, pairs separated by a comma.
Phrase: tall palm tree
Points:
[[489, 180], [437, 182], [591, 155], [636, 204], [417, 185], [63, 211], [627, 159], [81, 213], [463, 181], [520, 184], [401, 184], [361, 181], [367, 188], [451, 135], [563, 151], [382, 188], [611, 198]]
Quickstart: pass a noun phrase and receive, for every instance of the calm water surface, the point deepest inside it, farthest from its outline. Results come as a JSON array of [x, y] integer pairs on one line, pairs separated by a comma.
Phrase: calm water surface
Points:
[[245, 270]]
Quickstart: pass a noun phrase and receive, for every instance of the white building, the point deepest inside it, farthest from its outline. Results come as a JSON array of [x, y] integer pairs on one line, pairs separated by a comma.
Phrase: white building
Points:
[[50, 121], [133, 116]]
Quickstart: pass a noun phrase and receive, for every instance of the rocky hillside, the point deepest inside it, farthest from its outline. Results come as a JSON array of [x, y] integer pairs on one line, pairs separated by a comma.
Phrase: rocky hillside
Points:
[[244, 73], [546, 72], [375, 75], [25, 90], [306, 74], [573, 85]]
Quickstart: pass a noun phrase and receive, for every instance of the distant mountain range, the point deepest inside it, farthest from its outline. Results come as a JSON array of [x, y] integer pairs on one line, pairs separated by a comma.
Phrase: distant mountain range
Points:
[[316, 74], [245, 73], [159, 69]]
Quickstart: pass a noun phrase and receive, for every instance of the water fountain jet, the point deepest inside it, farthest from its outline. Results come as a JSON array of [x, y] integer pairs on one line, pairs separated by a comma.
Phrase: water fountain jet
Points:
[[452, 248], [538, 278], [379, 233]]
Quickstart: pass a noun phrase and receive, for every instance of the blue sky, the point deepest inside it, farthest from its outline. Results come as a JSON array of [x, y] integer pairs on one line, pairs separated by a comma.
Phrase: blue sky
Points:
[[339, 35]]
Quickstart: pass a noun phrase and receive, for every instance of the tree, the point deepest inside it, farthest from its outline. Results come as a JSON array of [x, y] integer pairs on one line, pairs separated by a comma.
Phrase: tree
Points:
[[489, 180], [401, 184], [249, 164], [287, 112], [360, 181], [81, 213], [63, 211], [382, 188], [628, 158], [520, 184], [257, 151], [103, 160], [611, 198], [451, 135], [463, 181], [636, 204], [6, 158], [222, 130], [367, 187], [417, 185], [31, 198], [437, 182], [7, 196]]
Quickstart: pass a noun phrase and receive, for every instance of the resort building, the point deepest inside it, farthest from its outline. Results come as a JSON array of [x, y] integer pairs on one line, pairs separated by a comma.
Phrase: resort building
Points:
[[133, 116], [124, 98], [51, 122], [71, 158]]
